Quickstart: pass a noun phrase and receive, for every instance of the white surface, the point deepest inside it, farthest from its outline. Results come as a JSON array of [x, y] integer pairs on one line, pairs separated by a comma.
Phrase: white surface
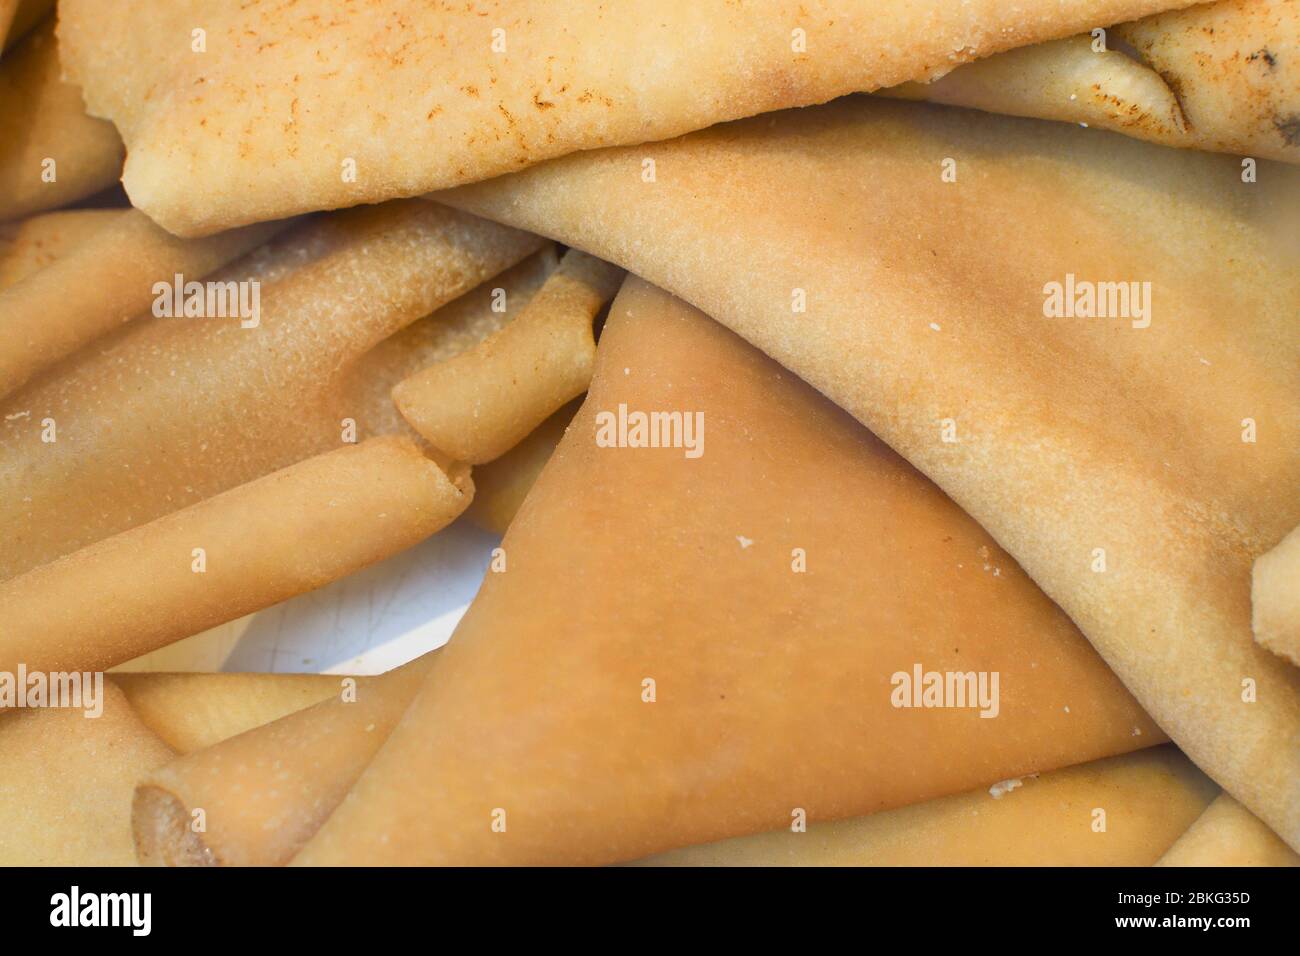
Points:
[[365, 623]]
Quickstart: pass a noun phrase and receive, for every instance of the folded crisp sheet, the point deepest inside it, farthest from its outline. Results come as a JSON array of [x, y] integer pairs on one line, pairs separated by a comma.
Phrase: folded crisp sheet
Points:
[[53, 152], [770, 625], [1220, 76], [1227, 834], [1135, 463], [168, 411], [398, 97], [1121, 811]]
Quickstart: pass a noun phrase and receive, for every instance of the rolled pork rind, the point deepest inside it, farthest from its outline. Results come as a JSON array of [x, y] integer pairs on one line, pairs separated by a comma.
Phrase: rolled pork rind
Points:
[[1121, 811], [1227, 834], [100, 283], [227, 556], [166, 412], [189, 712], [264, 793], [1064, 80], [1217, 76], [29, 245], [477, 406], [43, 119]]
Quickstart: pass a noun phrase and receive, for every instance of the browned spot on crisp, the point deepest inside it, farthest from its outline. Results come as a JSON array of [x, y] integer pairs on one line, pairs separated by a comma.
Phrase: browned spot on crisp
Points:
[[1263, 54], [1289, 127], [433, 112], [541, 104], [469, 90]]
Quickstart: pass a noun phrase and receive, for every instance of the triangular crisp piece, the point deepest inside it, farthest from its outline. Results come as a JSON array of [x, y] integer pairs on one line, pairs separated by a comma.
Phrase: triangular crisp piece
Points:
[[765, 583], [1087, 341]]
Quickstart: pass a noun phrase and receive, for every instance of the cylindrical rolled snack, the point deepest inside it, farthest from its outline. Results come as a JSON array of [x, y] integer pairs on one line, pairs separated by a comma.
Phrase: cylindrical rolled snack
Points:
[[192, 711], [65, 791], [478, 405], [168, 411], [1120, 811], [1065, 80], [242, 550], [260, 796], [111, 277], [501, 485], [1275, 598], [54, 153], [1227, 834], [455, 328], [38, 241]]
